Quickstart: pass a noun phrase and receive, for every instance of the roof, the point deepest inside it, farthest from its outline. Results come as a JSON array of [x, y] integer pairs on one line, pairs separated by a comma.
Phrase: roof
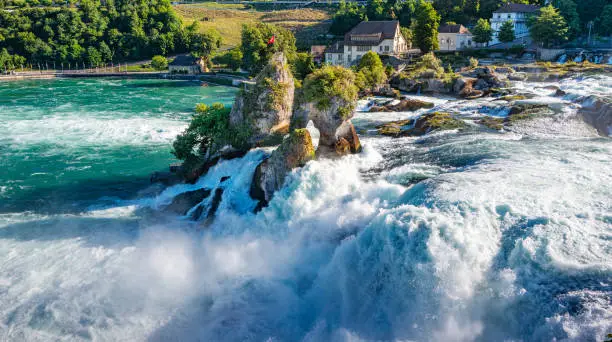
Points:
[[371, 32], [184, 60], [317, 49], [337, 47], [454, 29], [517, 8]]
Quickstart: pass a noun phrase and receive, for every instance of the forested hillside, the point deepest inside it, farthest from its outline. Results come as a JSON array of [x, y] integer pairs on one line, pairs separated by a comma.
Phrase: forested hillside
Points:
[[91, 32]]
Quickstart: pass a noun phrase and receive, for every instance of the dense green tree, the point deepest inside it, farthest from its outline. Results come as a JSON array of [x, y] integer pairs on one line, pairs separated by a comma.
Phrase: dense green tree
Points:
[[405, 11], [590, 10], [260, 41], [426, 28], [348, 16], [372, 69], [568, 10], [94, 57], [604, 23], [548, 27], [303, 65], [375, 10], [408, 35], [506, 32], [116, 30], [232, 58], [159, 62], [205, 44], [482, 31]]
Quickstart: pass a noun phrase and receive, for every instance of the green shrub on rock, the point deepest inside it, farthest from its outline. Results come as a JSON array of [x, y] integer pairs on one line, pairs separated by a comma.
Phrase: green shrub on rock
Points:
[[208, 131], [330, 82]]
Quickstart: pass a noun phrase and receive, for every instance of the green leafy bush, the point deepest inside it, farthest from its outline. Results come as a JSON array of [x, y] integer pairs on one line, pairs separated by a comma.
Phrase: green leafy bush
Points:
[[328, 83], [159, 62], [208, 131]]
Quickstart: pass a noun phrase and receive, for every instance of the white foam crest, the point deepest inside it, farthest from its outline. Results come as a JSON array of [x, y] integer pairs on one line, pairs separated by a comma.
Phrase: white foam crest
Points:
[[75, 131]]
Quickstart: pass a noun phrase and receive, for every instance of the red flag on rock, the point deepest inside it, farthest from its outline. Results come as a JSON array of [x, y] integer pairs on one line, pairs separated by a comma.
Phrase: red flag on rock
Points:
[[271, 40]]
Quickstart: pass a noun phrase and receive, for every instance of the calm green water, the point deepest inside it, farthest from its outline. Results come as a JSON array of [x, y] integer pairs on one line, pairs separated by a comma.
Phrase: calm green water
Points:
[[65, 144]]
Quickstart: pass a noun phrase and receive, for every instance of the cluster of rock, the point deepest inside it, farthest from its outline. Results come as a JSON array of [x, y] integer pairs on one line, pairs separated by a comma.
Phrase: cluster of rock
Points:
[[404, 105], [269, 112], [470, 84], [424, 124]]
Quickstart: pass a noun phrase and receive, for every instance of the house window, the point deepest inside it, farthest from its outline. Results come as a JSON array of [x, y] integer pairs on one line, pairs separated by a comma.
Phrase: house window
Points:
[[363, 48], [386, 48], [380, 48], [509, 16], [469, 42]]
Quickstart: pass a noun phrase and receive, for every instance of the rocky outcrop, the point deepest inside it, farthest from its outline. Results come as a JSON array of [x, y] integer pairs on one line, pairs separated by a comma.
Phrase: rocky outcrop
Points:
[[295, 151], [333, 123], [597, 112], [422, 125], [264, 109], [187, 200], [405, 105]]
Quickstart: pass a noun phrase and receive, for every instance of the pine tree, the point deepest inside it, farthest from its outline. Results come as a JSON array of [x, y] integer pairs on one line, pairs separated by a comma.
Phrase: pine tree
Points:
[[426, 29], [506, 32]]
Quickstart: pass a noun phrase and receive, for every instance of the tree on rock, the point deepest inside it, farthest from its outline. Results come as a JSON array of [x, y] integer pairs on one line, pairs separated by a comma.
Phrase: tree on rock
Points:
[[482, 31], [260, 41], [549, 27], [506, 32], [371, 68], [329, 98], [426, 29]]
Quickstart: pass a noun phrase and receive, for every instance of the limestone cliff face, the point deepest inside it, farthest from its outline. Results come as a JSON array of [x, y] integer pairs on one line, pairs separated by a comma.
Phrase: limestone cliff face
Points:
[[295, 151], [265, 108]]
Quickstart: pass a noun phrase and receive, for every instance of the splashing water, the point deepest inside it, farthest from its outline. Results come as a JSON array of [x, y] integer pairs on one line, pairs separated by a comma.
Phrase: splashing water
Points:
[[470, 236]]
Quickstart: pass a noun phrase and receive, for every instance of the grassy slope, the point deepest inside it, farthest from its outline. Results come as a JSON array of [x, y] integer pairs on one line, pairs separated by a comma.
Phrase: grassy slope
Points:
[[228, 19]]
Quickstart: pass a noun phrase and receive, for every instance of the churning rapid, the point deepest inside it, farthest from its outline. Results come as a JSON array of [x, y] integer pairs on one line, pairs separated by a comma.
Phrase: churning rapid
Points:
[[469, 235]]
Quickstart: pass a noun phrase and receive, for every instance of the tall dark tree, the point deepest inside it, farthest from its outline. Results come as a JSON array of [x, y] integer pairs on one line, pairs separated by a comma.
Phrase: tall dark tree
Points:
[[548, 27], [426, 28], [568, 10], [506, 32]]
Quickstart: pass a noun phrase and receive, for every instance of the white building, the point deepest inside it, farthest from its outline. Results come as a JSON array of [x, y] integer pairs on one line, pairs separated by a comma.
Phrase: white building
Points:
[[454, 37], [518, 14], [382, 37]]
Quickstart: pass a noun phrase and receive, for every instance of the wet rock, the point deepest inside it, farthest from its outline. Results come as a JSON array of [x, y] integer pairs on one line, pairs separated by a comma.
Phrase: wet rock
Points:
[[424, 124], [214, 204], [224, 178], [265, 108], [492, 123], [518, 76], [187, 200], [347, 132], [527, 111], [295, 151], [560, 93], [343, 147], [405, 105], [165, 178], [597, 112]]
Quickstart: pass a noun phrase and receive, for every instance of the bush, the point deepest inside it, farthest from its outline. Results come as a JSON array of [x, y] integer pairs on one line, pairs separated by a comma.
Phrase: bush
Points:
[[429, 61], [208, 131], [473, 63], [159, 63], [371, 67]]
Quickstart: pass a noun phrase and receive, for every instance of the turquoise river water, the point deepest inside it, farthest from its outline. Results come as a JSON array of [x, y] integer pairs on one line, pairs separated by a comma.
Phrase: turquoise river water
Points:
[[472, 235]]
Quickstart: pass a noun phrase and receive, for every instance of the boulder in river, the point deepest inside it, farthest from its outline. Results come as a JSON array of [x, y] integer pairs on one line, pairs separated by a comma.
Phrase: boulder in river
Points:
[[597, 112], [295, 151], [422, 125], [405, 105], [187, 200]]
